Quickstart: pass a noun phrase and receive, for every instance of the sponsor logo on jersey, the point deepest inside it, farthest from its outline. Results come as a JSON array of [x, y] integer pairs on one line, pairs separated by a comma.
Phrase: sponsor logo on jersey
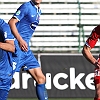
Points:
[[34, 25]]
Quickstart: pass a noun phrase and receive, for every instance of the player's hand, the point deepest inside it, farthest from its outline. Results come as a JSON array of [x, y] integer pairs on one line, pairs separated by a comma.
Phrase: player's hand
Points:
[[23, 45], [97, 63]]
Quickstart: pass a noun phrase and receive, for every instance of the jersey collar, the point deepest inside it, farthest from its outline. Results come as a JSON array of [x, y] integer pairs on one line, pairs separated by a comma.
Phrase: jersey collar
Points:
[[38, 9], [34, 4]]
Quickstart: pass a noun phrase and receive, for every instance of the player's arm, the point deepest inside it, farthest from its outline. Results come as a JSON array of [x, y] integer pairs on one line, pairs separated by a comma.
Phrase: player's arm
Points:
[[88, 55], [12, 23], [8, 46], [90, 43]]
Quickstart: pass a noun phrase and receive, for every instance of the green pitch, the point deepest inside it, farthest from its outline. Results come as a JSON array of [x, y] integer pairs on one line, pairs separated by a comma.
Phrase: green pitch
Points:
[[58, 99]]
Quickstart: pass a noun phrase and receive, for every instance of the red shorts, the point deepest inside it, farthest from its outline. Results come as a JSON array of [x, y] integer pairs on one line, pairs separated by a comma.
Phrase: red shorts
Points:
[[97, 76]]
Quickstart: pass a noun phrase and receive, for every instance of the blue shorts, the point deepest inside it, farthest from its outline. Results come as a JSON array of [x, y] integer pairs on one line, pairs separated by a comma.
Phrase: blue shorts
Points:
[[25, 60], [3, 94], [5, 84]]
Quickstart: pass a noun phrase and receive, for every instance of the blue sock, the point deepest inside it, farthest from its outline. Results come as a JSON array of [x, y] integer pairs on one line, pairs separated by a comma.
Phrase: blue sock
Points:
[[41, 92]]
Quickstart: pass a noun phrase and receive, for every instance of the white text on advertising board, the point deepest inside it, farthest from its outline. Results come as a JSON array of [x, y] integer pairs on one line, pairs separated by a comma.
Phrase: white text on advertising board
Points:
[[74, 80]]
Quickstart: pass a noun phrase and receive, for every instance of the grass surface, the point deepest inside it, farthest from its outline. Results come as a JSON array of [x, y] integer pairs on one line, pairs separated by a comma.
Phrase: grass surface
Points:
[[57, 99]]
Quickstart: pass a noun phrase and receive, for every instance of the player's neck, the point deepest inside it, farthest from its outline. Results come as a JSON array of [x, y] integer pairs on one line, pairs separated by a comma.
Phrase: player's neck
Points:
[[37, 4]]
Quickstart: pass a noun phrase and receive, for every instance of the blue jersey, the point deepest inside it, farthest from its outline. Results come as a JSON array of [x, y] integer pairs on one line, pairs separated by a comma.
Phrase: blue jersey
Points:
[[5, 57], [28, 15]]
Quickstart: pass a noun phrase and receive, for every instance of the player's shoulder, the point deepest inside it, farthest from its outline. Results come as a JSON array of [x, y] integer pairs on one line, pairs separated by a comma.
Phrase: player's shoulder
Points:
[[97, 27], [96, 30], [2, 21], [26, 4]]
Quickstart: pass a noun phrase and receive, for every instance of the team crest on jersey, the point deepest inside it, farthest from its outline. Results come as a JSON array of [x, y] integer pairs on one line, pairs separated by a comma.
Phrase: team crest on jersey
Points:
[[18, 12]]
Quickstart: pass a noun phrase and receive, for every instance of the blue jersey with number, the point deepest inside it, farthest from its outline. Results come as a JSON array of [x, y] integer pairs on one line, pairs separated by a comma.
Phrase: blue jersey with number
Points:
[[5, 57], [28, 15]]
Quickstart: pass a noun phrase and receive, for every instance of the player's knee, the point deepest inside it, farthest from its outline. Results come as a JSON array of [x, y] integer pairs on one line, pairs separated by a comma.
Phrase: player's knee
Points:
[[41, 80]]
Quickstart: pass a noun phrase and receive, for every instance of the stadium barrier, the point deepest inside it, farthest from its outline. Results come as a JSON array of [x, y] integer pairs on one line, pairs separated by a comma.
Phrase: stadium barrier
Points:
[[67, 75]]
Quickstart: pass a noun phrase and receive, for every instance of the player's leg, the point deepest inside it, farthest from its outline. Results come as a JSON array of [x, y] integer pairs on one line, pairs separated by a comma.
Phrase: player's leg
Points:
[[97, 91], [32, 66], [96, 99], [97, 84], [5, 85], [40, 85], [3, 94]]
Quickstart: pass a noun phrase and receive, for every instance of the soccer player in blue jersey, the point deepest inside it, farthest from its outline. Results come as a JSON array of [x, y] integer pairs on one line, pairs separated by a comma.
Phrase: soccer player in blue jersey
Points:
[[23, 24], [6, 65]]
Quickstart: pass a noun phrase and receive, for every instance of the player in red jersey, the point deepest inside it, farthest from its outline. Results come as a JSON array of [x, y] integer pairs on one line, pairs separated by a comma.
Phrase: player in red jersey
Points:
[[90, 43]]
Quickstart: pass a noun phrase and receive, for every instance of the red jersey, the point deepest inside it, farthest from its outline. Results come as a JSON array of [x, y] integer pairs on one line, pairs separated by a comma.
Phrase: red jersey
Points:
[[93, 38]]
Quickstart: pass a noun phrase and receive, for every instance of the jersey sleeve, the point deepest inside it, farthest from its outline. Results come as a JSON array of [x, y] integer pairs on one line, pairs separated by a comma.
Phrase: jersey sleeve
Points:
[[92, 40], [7, 32], [21, 12]]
